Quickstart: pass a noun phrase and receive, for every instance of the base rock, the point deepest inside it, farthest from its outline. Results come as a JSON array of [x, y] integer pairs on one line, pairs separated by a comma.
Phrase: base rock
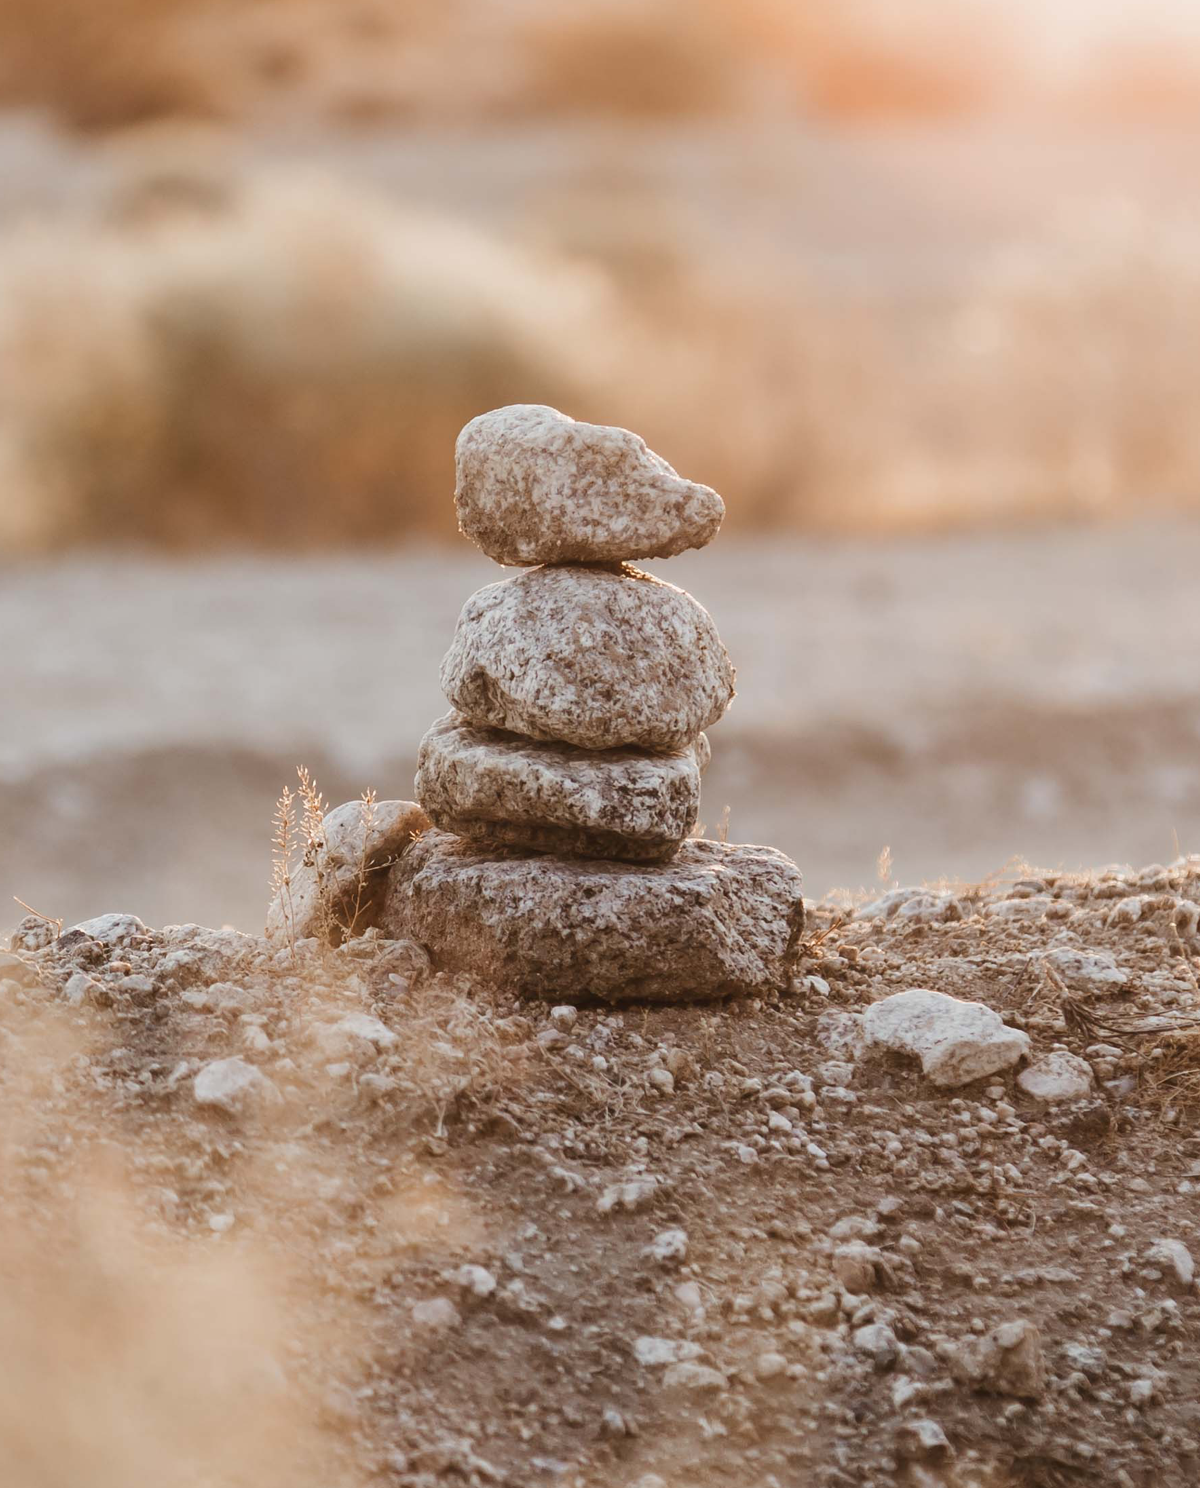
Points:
[[718, 920], [498, 788]]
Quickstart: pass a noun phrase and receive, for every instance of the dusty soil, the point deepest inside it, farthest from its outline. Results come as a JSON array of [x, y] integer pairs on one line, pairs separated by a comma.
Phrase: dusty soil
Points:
[[483, 1242], [962, 700]]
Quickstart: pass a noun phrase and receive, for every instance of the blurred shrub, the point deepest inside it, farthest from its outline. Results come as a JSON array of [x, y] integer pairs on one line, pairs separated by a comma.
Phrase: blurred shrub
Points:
[[870, 60], [637, 59], [97, 64], [1144, 78], [289, 365], [100, 64]]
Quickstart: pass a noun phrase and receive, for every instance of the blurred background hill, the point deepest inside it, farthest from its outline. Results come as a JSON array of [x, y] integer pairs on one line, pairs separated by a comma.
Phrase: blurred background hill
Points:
[[914, 283], [864, 266]]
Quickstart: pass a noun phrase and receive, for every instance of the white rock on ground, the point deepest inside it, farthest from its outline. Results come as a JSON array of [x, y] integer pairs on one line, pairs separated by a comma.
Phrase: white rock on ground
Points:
[[108, 929], [655, 1352], [1173, 1256], [956, 1042], [600, 658], [718, 920], [668, 1247], [477, 1280], [232, 1085], [340, 888], [1091, 971], [1056, 1077], [535, 486], [493, 787], [688, 1375], [436, 1312]]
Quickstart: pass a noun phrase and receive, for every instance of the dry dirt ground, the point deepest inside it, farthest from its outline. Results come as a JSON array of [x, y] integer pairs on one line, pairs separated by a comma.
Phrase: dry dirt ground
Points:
[[962, 699], [418, 1233]]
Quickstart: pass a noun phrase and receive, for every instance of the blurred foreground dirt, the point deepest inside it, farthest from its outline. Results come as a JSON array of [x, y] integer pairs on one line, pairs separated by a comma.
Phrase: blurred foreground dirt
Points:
[[311, 1217]]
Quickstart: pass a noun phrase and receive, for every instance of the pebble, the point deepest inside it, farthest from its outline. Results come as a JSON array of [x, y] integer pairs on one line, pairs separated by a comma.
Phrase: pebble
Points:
[[366, 1027], [1127, 911], [632, 1194], [76, 989], [878, 1342], [769, 1365], [108, 929], [856, 1265], [652, 1352], [232, 1084], [1055, 1077], [436, 1312], [1090, 971], [1174, 1256], [689, 1375], [668, 1247], [477, 1280], [1006, 1361], [689, 1295]]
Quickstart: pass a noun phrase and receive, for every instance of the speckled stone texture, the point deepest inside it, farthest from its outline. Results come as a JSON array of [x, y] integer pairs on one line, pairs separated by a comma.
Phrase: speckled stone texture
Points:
[[501, 789], [342, 886], [718, 920], [535, 486], [601, 658]]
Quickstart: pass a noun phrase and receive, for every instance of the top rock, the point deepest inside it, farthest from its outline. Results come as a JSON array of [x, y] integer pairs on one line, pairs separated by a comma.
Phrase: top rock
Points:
[[535, 486]]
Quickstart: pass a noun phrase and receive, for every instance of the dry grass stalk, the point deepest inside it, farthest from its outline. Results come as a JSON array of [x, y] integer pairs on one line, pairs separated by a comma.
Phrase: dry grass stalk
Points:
[[283, 851], [38, 915], [367, 821]]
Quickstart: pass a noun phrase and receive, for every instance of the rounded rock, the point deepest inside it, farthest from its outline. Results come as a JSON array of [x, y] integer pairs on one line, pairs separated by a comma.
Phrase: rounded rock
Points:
[[599, 658], [493, 787], [535, 486], [333, 895]]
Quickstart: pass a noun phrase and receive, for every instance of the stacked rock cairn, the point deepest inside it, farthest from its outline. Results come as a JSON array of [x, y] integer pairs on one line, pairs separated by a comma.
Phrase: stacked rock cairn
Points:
[[564, 785]]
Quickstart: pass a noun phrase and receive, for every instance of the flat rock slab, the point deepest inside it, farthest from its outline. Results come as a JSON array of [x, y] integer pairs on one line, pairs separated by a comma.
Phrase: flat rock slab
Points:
[[337, 893], [497, 788], [534, 486], [719, 920], [599, 658], [956, 1041]]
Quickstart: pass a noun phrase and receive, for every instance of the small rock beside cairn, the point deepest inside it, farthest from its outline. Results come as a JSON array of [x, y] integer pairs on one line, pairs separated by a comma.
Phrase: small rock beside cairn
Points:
[[565, 784]]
